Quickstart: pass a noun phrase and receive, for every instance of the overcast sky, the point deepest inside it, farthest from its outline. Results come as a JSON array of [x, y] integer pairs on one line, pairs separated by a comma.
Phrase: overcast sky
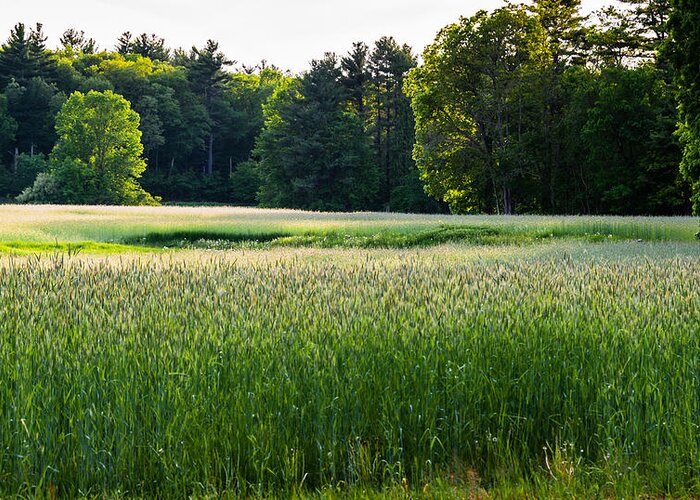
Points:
[[287, 33]]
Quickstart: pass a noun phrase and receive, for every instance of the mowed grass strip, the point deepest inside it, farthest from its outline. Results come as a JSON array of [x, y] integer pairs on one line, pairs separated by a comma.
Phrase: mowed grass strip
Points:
[[249, 375]]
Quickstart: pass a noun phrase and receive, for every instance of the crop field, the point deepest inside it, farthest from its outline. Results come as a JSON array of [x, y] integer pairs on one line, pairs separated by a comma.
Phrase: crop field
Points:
[[223, 352]]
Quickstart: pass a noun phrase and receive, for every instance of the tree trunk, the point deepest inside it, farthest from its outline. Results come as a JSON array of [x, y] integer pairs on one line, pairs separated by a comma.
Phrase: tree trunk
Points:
[[15, 160], [495, 196], [507, 201]]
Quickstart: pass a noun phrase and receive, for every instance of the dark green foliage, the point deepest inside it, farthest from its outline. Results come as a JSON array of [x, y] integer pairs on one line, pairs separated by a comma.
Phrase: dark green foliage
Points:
[[392, 125], [75, 41], [356, 78], [151, 46], [34, 105], [24, 56], [682, 53], [206, 75], [8, 128], [188, 186], [22, 174], [313, 153], [626, 161], [245, 183], [328, 239]]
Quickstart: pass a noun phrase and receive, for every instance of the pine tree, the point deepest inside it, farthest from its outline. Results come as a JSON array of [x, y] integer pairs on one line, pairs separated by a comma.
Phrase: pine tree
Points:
[[76, 41], [356, 77], [314, 154], [24, 56], [206, 74], [151, 46], [124, 43], [393, 126], [15, 57]]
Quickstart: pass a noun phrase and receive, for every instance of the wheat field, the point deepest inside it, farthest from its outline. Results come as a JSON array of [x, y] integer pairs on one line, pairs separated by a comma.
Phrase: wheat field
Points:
[[539, 366]]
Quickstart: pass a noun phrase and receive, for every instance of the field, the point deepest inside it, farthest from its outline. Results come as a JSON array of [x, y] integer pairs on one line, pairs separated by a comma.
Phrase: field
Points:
[[211, 352]]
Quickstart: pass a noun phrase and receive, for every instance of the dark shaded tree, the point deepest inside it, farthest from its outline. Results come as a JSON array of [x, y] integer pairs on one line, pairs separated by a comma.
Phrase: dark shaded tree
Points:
[[24, 56], [682, 51], [34, 106], [207, 76], [313, 153], [356, 78], [76, 41]]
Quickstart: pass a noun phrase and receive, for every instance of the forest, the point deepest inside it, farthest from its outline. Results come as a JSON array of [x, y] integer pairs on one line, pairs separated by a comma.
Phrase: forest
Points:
[[528, 109]]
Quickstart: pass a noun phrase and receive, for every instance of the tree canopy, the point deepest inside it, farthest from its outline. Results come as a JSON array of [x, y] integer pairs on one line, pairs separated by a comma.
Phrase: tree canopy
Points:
[[97, 156], [532, 108]]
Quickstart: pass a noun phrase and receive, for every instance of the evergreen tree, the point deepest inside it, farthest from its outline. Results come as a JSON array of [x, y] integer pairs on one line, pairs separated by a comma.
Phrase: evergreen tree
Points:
[[392, 127], [356, 78], [313, 153], [124, 43], [8, 126], [151, 46], [207, 76], [76, 41], [24, 56], [34, 107], [562, 24]]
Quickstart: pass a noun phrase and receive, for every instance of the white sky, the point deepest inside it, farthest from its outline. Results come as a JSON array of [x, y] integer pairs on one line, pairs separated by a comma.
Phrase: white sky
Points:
[[287, 33]]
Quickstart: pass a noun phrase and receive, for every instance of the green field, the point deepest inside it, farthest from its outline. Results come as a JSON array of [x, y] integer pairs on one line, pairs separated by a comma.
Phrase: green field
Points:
[[210, 352]]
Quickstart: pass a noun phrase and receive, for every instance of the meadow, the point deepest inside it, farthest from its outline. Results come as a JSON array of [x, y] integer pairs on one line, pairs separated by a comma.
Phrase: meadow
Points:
[[283, 353]]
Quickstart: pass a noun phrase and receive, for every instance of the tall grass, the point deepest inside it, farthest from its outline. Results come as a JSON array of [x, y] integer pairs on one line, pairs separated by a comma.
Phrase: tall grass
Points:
[[275, 373]]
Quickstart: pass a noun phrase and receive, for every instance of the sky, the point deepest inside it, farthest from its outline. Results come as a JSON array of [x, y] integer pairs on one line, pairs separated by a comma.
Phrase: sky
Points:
[[286, 33]]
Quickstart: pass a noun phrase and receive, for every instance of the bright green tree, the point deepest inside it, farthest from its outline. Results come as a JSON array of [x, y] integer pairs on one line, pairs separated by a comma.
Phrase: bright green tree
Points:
[[469, 100], [97, 158]]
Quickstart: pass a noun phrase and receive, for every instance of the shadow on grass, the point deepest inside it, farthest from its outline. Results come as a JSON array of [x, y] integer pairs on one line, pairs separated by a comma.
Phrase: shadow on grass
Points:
[[331, 239]]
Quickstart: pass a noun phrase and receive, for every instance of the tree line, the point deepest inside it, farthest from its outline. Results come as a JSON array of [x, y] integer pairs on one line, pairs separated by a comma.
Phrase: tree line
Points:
[[529, 108]]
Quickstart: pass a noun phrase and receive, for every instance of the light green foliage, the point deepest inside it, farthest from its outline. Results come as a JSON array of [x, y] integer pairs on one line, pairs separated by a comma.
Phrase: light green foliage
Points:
[[468, 99], [97, 157], [247, 225]]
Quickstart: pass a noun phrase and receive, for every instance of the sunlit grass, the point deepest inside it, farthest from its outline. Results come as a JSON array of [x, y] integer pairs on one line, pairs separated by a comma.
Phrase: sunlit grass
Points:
[[346, 355], [158, 225]]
